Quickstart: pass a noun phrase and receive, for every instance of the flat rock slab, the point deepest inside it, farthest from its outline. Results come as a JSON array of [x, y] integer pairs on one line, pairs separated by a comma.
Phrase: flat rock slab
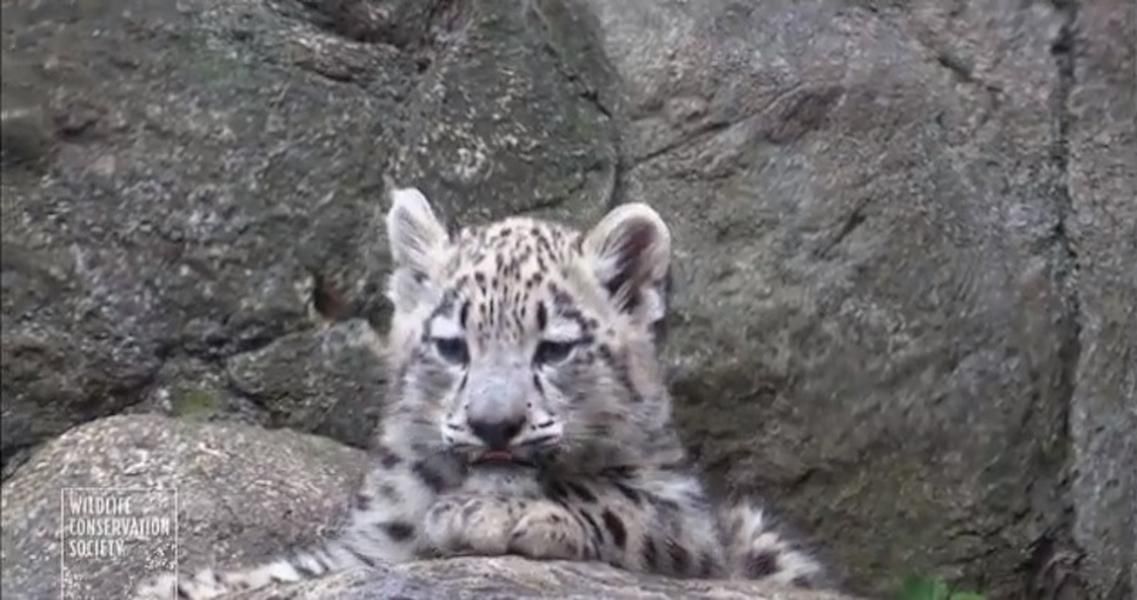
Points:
[[512, 577]]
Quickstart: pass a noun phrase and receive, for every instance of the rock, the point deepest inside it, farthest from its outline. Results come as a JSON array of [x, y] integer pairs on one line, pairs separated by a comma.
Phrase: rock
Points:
[[243, 494], [513, 577], [338, 394], [515, 116], [875, 325], [1100, 64], [193, 388], [183, 212]]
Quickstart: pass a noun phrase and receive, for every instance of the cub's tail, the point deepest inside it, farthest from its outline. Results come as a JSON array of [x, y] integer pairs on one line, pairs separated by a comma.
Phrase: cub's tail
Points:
[[758, 548]]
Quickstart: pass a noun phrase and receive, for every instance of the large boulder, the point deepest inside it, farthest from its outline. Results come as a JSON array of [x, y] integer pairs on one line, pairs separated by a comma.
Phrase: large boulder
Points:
[[876, 316], [1099, 61], [201, 182], [243, 494]]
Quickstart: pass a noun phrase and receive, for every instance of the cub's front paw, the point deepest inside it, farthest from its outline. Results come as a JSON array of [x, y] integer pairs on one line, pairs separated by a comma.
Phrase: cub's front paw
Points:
[[547, 531], [471, 525]]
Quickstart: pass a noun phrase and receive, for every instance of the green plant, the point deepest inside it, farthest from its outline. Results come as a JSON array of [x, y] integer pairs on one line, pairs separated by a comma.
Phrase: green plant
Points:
[[933, 588]]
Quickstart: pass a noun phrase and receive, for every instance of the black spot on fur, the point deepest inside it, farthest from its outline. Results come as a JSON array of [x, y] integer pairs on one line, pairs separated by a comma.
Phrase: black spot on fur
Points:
[[622, 472], [388, 458], [802, 581], [662, 504], [389, 492], [616, 528], [762, 564], [620, 366], [542, 316], [555, 490], [464, 313], [650, 554], [361, 557], [628, 492], [581, 491], [363, 501], [707, 565], [599, 535], [680, 558], [471, 508], [432, 478], [398, 530]]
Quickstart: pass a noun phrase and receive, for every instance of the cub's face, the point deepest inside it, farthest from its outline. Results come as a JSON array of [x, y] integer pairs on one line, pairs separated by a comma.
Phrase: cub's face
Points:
[[526, 343]]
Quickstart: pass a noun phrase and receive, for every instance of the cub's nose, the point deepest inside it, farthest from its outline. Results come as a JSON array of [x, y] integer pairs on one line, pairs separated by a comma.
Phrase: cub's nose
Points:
[[497, 434]]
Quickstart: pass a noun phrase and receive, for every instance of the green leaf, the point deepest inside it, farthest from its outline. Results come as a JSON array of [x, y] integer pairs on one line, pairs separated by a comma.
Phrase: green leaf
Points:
[[966, 596], [924, 588]]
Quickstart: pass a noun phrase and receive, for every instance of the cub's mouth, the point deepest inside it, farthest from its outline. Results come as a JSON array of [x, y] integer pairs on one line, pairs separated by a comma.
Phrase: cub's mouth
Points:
[[502, 458]]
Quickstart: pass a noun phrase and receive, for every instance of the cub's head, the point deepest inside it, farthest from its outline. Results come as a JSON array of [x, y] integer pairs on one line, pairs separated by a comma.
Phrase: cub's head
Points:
[[523, 342]]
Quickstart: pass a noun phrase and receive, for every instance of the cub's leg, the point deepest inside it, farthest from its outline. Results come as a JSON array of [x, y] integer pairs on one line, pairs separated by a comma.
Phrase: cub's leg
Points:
[[647, 520], [384, 526], [659, 521]]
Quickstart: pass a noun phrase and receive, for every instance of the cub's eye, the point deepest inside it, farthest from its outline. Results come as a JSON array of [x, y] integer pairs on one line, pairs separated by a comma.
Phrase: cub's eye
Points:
[[552, 352], [452, 349]]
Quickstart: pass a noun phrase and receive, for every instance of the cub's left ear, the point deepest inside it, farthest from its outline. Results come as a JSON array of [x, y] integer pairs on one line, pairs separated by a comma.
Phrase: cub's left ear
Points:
[[420, 247], [629, 251]]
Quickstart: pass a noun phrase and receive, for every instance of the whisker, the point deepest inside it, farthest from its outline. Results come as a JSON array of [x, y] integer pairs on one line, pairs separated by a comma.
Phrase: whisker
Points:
[[539, 441]]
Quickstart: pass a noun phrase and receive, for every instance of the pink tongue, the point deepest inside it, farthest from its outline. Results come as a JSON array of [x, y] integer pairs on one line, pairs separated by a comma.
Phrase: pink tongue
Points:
[[497, 455]]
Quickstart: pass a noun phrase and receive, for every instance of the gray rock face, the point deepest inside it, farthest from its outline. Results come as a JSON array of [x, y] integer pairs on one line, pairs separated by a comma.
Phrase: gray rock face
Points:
[[207, 183], [243, 494], [1101, 150], [904, 233], [876, 323]]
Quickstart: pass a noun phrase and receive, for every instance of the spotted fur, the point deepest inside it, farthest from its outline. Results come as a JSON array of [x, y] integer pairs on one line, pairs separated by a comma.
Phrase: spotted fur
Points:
[[529, 415]]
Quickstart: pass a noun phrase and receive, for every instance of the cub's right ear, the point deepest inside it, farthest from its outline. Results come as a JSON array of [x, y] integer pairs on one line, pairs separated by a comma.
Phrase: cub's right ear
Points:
[[629, 252], [420, 247]]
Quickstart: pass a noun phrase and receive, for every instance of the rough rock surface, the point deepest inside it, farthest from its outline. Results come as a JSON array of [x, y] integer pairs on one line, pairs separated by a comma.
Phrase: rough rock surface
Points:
[[243, 493], [875, 294], [1100, 64], [510, 577], [200, 185], [904, 236]]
